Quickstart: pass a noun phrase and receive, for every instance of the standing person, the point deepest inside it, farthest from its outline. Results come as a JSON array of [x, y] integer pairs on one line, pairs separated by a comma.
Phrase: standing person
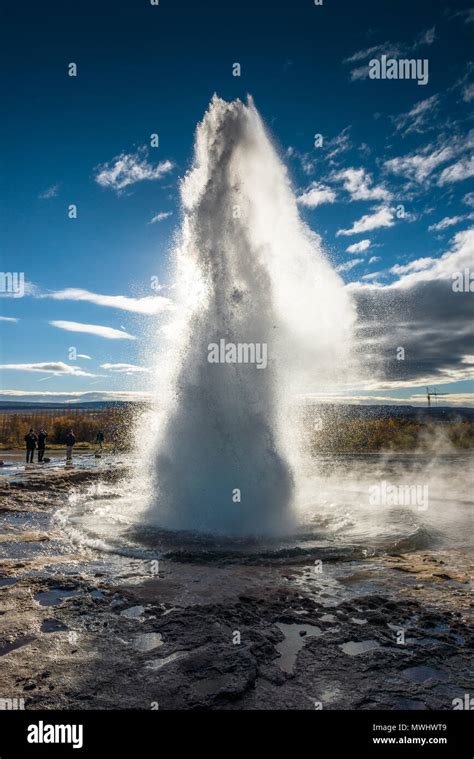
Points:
[[70, 440], [30, 440], [42, 435], [100, 439]]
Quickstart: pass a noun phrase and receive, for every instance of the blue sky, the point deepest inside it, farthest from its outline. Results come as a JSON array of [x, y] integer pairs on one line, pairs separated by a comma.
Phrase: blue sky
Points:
[[144, 69]]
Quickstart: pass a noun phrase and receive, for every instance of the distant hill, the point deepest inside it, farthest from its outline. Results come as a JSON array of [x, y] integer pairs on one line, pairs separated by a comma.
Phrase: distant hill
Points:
[[420, 413], [341, 410], [86, 405]]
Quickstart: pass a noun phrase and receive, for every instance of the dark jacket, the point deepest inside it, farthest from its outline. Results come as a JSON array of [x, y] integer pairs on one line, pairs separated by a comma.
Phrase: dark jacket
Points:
[[30, 440], [42, 439], [70, 439]]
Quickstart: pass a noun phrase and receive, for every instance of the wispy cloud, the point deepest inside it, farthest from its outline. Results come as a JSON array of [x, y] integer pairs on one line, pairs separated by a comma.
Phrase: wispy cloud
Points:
[[358, 247], [382, 217], [468, 93], [331, 149], [124, 368], [128, 169], [160, 216], [415, 119], [426, 38], [93, 329], [467, 14], [390, 49], [449, 221], [418, 166], [348, 265], [57, 368], [417, 265], [316, 194], [51, 192], [8, 319], [459, 171], [468, 199], [338, 145], [149, 304]]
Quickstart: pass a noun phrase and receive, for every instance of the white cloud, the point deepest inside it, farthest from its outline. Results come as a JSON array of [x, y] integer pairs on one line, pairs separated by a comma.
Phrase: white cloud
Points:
[[348, 265], [418, 166], [8, 319], [374, 260], [458, 258], [358, 183], [382, 217], [84, 355], [315, 195], [124, 368], [150, 304], [129, 168], [418, 265], [160, 216], [93, 329], [53, 367], [463, 169], [358, 247], [421, 310], [51, 192]]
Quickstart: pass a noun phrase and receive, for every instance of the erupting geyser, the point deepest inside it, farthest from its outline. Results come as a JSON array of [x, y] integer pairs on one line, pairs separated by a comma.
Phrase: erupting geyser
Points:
[[250, 280]]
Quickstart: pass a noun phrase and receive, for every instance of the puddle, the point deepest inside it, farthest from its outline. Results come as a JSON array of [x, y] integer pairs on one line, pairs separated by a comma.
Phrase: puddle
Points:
[[357, 621], [52, 626], [147, 642], [55, 596], [423, 674], [328, 618], [354, 647], [293, 643], [18, 643], [134, 612], [213, 685], [8, 581]]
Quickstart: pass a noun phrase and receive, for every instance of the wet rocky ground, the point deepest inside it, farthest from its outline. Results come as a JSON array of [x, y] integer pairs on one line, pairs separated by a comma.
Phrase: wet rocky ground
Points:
[[80, 629]]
